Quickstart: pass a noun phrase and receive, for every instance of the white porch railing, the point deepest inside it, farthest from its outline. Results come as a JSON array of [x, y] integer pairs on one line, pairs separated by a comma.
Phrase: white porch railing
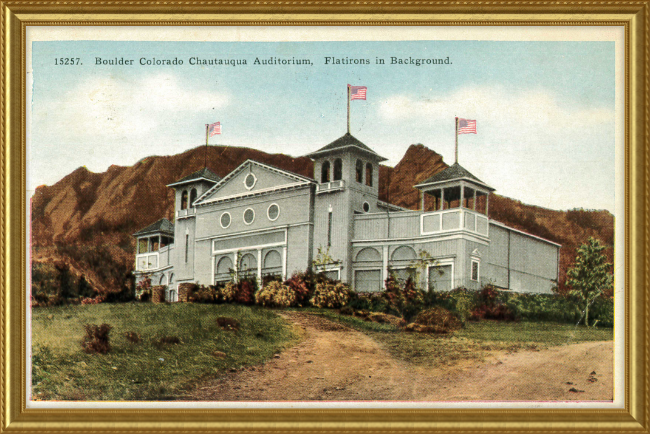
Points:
[[186, 212], [453, 220], [328, 187], [147, 261]]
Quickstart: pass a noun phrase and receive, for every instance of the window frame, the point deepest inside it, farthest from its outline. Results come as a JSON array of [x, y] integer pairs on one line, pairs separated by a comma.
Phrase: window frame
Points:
[[193, 192], [229, 220], [269, 209], [478, 270], [358, 171], [325, 172], [369, 169], [243, 216], [254, 181]]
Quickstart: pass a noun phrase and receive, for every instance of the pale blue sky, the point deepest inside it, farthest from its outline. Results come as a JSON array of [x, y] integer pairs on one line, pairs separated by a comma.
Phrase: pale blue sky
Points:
[[544, 110]]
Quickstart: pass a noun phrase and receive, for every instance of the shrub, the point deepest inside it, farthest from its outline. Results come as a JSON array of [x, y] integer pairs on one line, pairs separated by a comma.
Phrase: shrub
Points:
[[275, 294], [203, 295], [371, 301], [246, 292], [242, 292], [132, 337], [96, 300], [300, 285], [96, 339], [270, 278], [331, 295], [158, 293], [228, 292], [143, 289], [185, 290], [463, 303], [404, 299], [439, 319]]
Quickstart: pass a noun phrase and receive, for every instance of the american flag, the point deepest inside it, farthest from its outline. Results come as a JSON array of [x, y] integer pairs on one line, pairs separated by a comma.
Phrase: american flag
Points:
[[357, 92], [214, 129], [466, 126]]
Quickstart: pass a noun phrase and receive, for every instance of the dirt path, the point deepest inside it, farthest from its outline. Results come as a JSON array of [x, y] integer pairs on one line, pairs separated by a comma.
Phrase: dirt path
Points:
[[336, 363]]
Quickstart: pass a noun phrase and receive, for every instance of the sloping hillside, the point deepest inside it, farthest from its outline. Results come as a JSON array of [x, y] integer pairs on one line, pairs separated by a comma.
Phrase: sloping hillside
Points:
[[86, 219]]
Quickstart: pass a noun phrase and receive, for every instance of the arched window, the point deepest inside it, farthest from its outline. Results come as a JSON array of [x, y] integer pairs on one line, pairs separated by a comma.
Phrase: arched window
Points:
[[224, 265], [247, 265], [193, 195], [359, 170], [338, 169], [369, 174], [325, 172], [184, 200]]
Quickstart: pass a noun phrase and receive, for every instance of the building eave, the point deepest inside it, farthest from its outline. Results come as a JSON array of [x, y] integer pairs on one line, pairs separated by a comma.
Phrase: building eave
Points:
[[250, 194], [190, 181], [322, 152], [201, 200], [451, 181], [496, 223]]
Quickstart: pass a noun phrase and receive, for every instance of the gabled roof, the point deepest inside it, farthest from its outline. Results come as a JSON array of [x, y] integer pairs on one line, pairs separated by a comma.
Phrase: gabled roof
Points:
[[162, 226], [204, 174], [453, 173], [344, 142], [244, 165]]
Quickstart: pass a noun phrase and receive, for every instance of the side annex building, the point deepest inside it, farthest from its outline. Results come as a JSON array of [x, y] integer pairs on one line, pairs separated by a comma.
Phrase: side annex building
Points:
[[261, 220]]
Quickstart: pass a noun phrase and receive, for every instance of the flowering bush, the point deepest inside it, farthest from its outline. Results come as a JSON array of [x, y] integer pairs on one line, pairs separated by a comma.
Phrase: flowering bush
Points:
[[299, 284], [96, 339], [242, 292], [275, 294], [404, 299], [96, 300], [205, 294], [228, 292], [143, 289], [331, 295]]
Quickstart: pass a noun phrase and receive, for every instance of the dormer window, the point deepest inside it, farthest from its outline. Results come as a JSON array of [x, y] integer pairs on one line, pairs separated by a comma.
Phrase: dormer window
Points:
[[325, 172], [184, 200], [193, 195], [338, 169], [359, 171], [369, 174]]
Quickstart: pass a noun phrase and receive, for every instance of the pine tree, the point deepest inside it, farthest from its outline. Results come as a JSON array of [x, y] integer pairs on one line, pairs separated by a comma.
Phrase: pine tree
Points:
[[591, 275]]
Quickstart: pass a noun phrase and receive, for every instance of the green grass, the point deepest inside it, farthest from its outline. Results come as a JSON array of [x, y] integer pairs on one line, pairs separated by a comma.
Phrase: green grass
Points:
[[62, 371], [473, 342]]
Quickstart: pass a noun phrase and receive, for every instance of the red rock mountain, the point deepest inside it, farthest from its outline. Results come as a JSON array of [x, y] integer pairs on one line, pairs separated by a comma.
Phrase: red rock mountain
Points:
[[83, 211]]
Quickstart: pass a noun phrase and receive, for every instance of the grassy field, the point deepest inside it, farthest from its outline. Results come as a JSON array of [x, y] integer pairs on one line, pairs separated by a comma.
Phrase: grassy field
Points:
[[474, 341], [148, 370]]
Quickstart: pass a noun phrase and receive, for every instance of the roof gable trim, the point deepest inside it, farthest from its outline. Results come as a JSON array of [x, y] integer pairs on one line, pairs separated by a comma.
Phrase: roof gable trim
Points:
[[204, 197]]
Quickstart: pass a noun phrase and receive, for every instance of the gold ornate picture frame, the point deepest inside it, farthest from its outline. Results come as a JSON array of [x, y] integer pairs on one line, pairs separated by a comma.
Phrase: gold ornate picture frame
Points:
[[18, 15]]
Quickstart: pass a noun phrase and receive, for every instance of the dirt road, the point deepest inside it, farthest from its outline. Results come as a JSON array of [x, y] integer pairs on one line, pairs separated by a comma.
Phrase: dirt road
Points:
[[336, 363]]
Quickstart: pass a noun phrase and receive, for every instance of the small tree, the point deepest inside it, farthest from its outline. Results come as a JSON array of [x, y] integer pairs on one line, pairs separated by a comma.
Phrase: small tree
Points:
[[591, 275]]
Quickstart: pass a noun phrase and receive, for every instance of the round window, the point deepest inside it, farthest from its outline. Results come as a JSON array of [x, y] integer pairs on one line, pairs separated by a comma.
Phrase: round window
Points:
[[249, 216], [225, 220], [249, 181], [366, 207], [273, 212]]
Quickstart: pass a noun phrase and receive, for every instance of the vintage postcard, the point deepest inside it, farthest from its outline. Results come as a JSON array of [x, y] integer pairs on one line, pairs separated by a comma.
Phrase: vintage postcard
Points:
[[325, 217]]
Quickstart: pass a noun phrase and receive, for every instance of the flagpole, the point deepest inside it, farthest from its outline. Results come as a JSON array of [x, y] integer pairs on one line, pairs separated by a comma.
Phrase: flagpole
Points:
[[456, 153], [205, 156], [348, 109]]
